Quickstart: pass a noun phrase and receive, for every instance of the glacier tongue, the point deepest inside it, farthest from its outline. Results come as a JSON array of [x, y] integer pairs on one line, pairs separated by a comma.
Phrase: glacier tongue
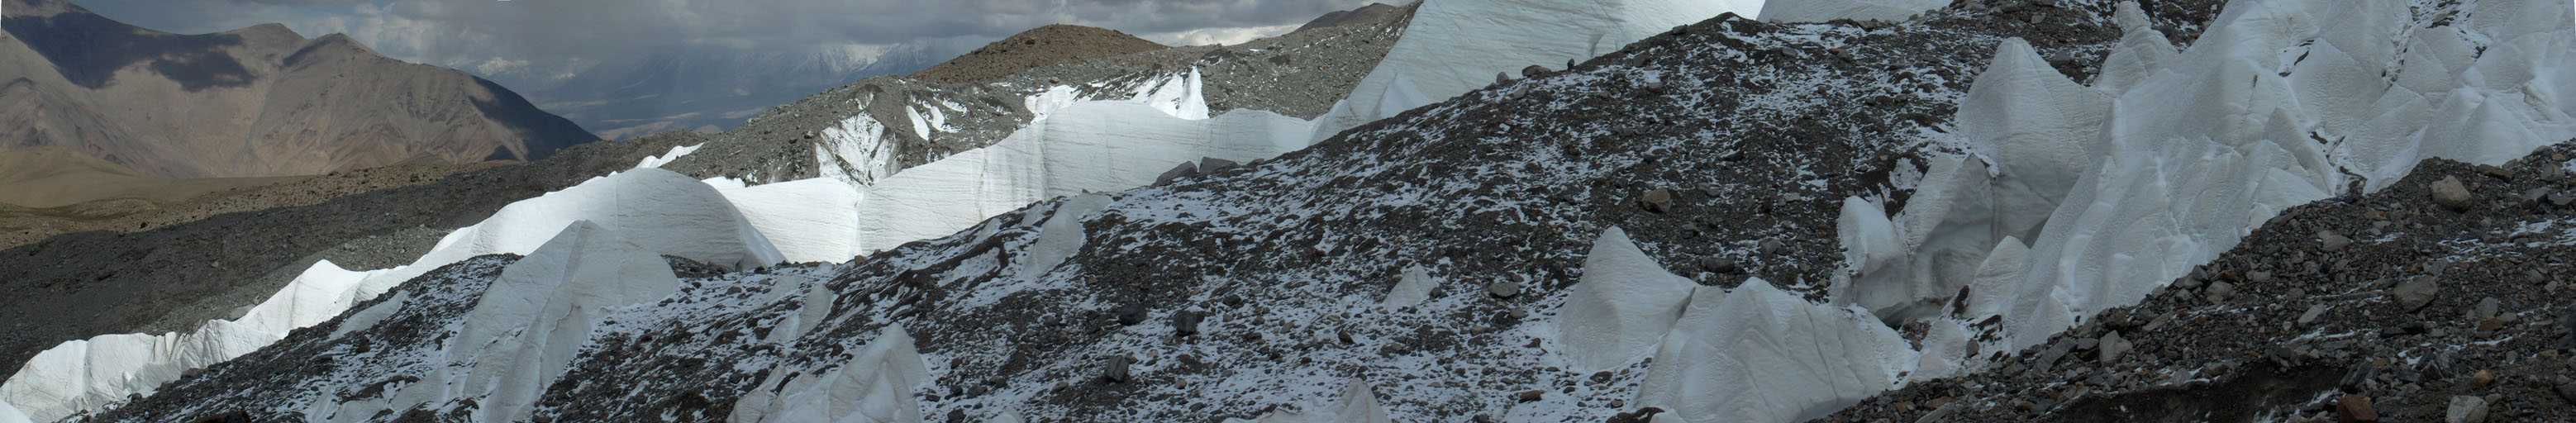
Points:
[[1455, 46]]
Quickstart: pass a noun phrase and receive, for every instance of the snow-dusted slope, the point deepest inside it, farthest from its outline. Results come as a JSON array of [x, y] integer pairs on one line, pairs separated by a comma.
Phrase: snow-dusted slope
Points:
[[1453, 46], [2176, 169], [1859, 10]]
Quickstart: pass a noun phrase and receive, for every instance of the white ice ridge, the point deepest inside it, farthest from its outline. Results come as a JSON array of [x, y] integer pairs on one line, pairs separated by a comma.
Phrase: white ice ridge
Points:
[[1622, 307], [666, 158], [810, 220], [1858, 10], [874, 387], [1455, 46], [1757, 354], [88, 374], [1411, 288], [2174, 170], [530, 323], [1095, 146], [665, 212]]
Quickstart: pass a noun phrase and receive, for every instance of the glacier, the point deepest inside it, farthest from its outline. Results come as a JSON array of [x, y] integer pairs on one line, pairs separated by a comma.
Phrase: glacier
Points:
[[665, 212], [1753, 354], [2153, 171], [876, 386], [1858, 10], [1455, 46]]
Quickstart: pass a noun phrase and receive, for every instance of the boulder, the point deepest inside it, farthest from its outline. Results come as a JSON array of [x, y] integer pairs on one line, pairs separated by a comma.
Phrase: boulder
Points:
[[2450, 193]]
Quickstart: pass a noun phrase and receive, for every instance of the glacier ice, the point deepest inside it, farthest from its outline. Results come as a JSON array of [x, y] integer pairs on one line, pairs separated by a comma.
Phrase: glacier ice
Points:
[[87, 374], [1621, 308], [1411, 288], [874, 387], [1455, 46], [1062, 235], [664, 212], [10, 414], [1858, 10], [1357, 403], [656, 162], [533, 320], [2175, 169], [1760, 354], [1088, 146], [807, 220]]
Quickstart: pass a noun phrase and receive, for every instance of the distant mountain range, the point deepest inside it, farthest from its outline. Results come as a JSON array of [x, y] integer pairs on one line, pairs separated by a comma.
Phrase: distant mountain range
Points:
[[707, 88], [257, 101]]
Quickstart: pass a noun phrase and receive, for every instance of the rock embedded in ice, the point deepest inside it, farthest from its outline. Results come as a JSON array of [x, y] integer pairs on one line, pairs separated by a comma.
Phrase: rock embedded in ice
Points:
[[1621, 308]]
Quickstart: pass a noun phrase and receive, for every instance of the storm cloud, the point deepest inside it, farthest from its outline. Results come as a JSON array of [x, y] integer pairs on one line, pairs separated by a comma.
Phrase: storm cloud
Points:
[[497, 35]]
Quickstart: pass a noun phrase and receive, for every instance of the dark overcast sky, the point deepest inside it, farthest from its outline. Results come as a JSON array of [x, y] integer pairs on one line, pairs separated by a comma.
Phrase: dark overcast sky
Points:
[[465, 33]]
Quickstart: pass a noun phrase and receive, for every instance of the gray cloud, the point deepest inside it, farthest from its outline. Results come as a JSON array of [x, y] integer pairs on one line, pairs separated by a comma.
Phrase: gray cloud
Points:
[[464, 33]]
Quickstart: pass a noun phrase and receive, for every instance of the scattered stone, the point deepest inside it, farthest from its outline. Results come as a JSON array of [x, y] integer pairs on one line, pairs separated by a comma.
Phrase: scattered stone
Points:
[[2567, 391], [1186, 323], [1658, 201], [956, 415], [1186, 169], [2487, 308], [2314, 312], [2112, 346], [1718, 264], [1116, 370], [2416, 292], [1772, 246], [2355, 409], [2332, 241], [1212, 164], [1532, 395], [1131, 314], [2450, 193], [1502, 78], [2466, 409], [1533, 71], [2482, 379], [2219, 291], [1503, 289]]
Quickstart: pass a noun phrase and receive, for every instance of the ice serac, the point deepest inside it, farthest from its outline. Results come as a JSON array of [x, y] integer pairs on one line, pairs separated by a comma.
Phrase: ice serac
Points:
[[1357, 403], [809, 220], [2178, 169], [1759, 354], [666, 158], [10, 414], [1091, 146], [536, 317], [1062, 235], [1858, 10], [86, 374], [1621, 308], [874, 387], [1455, 46], [664, 212], [1411, 288], [2041, 132]]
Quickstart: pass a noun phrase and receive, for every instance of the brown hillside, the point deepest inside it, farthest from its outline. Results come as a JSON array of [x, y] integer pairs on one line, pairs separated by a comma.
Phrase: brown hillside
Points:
[[1046, 45]]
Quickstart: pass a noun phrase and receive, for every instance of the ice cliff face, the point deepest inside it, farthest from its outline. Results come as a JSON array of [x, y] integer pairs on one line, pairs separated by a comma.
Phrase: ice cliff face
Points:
[[1459, 45], [2154, 170]]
